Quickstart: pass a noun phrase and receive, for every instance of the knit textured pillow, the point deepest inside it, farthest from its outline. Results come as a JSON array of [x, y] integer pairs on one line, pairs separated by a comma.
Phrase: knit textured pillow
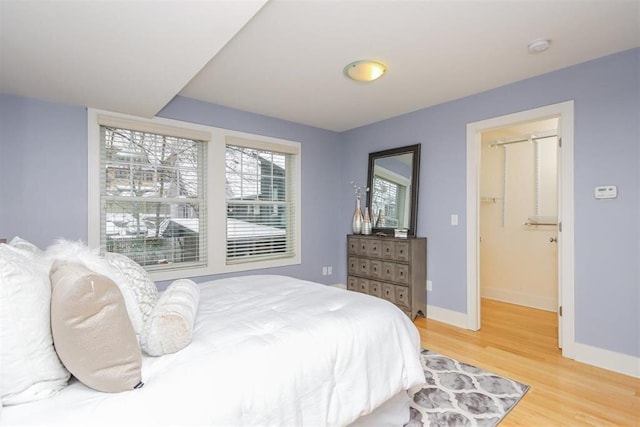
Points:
[[138, 280]]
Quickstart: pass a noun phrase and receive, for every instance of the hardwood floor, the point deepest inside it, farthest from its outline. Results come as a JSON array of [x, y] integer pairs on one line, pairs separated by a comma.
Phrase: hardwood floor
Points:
[[521, 343]]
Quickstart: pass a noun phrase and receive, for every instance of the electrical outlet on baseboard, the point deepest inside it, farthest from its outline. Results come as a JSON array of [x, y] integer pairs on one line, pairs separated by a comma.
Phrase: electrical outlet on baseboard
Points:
[[429, 285]]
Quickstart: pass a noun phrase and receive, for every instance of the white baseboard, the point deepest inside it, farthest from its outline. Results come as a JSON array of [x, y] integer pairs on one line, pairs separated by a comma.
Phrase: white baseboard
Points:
[[520, 298], [606, 359], [451, 317]]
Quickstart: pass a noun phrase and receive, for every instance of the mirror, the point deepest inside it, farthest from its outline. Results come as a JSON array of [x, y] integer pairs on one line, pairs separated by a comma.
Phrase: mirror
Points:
[[393, 183]]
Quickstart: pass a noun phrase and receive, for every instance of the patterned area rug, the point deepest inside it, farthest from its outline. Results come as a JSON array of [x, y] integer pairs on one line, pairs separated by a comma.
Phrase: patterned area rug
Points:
[[457, 394]]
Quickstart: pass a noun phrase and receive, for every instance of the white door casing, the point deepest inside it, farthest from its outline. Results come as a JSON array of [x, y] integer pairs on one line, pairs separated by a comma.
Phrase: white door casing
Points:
[[564, 112]]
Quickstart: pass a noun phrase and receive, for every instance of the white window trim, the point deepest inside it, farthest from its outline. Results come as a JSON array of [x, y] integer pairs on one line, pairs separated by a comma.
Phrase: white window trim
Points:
[[216, 199]]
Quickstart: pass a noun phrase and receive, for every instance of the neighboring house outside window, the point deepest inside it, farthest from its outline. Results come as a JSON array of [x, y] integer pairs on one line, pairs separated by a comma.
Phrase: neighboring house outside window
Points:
[[259, 204], [157, 189]]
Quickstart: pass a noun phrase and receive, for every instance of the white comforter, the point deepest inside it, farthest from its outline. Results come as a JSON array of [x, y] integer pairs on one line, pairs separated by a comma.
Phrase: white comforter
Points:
[[266, 351]]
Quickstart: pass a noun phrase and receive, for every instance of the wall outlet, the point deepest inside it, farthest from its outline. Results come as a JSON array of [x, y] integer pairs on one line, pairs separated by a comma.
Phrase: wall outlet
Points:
[[330, 270], [324, 271], [429, 285]]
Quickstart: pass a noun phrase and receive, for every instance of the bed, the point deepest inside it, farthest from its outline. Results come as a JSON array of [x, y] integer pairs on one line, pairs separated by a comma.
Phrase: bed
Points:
[[266, 351]]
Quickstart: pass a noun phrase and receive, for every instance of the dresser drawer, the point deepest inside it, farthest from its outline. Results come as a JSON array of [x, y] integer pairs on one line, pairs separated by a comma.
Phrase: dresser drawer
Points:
[[374, 248], [375, 268], [388, 271], [388, 249], [352, 283], [402, 296], [363, 247], [363, 286], [401, 251], [375, 288], [389, 292], [364, 266], [352, 245], [401, 274], [352, 265]]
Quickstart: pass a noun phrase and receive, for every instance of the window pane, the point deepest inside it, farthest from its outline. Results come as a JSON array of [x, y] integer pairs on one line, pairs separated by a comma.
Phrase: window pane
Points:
[[153, 208], [258, 207]]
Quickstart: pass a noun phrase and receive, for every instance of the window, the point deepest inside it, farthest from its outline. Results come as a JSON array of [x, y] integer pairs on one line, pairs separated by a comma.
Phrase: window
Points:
[[190, 200], [260, 204], [152, 195]]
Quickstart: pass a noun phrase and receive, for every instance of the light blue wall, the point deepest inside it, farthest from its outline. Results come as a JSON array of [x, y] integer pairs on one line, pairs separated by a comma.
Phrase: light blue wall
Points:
[[607, 151], [43, 170], [43, 174]]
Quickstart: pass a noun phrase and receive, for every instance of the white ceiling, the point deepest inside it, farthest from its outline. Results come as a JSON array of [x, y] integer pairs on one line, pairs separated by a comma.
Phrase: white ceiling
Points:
[[127, 56], [134, 57]]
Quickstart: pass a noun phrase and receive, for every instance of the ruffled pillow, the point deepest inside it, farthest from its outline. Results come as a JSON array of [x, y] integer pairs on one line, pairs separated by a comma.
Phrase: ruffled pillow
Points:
[[169, 328]]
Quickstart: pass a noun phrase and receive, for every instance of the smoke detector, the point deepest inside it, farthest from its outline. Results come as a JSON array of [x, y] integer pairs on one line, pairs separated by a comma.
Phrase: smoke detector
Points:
[[539, 45]]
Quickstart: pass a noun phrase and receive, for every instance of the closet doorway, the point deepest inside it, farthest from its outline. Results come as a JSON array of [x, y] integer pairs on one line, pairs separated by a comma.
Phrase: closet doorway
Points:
[[520, 214]]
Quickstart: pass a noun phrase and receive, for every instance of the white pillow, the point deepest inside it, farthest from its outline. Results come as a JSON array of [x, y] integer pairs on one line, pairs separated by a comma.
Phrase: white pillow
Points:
[[25, 245], [169, 328], [30, 368], [78, 252], [138, 280]]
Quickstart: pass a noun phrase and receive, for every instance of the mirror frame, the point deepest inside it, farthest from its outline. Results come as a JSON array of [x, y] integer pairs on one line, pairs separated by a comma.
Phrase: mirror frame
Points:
[[415, 178]]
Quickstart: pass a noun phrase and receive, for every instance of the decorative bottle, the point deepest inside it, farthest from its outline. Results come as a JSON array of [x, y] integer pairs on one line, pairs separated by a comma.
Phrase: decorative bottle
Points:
[[366, 222], [380, 219], [357, 219]]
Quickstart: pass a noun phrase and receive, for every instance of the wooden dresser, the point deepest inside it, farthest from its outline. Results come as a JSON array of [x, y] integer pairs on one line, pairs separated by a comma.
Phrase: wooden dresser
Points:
[[389, 268]]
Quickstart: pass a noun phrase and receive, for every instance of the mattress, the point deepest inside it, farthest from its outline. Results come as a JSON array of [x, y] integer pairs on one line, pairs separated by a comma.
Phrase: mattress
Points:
[[266, 351]]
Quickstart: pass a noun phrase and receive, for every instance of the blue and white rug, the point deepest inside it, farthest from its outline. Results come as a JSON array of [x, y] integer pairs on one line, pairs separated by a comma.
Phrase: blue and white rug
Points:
[[457, 394]]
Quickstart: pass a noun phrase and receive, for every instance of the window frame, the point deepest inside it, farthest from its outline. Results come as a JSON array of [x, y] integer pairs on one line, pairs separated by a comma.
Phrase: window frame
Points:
[[215, 194]]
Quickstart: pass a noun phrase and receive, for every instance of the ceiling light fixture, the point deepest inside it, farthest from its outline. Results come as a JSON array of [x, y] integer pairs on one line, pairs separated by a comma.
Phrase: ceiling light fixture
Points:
[[539, 45], [365, 70]]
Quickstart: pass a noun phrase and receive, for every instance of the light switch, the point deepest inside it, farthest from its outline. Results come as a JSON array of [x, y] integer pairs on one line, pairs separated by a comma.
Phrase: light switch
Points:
[[454, 219]]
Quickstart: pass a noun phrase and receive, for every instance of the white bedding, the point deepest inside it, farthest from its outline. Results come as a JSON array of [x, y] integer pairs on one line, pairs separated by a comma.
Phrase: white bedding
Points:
[[266, 351]]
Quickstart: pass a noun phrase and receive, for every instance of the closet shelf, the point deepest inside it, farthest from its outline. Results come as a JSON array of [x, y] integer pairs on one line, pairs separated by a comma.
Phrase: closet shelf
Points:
[[542, 220]]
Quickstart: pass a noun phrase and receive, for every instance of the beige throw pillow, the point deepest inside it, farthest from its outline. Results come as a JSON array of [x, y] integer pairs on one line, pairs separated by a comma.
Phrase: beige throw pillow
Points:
[[92, 332]]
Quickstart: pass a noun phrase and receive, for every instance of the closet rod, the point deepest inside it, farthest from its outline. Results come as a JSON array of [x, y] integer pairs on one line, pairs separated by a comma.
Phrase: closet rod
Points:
[[517, 141]]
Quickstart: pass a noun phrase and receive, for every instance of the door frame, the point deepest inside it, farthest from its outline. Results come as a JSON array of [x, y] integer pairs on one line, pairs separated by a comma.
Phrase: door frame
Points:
[[563, 111]]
